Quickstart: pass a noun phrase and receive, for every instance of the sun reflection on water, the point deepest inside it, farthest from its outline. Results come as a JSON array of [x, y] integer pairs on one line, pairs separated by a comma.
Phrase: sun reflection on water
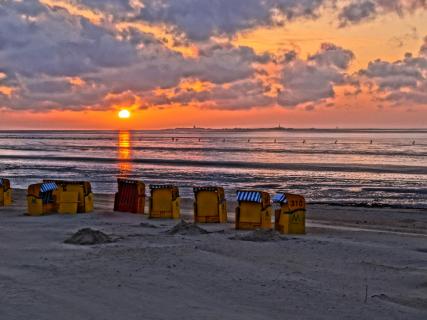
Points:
[[124, 154]]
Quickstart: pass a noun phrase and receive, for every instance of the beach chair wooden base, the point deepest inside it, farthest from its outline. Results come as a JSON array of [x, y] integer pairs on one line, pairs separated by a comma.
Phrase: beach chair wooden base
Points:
[[290, 217], [68, 202], [130, 196], [5, 192], [249, 217], [6, 197], [290, 223], [210, 206], [164, 204]]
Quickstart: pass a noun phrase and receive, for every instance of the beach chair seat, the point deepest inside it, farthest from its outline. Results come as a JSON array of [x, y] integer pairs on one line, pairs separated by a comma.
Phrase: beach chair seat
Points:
[[164, 202], [290, 216], [130, 196], [68, 202], [210, 205], [83, 190], [5, 192], [42, 198], [253, 211]]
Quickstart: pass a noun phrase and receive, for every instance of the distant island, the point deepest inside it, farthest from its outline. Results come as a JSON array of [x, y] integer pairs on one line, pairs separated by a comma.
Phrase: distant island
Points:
[[285, 129]]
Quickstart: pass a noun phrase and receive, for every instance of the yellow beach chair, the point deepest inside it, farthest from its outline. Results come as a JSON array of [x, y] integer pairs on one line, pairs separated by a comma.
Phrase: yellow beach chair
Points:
[[210, 205], [5, 192], [130, 196], [84, 194], [254, 210], [164, 202], [42, 198], [290, 217]]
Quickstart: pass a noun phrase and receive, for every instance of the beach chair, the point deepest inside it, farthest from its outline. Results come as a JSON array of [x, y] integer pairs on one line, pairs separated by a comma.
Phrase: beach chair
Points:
[[42, 198], [254, 210], [130, 196], [210, 205], [5, 192], [83, 190], [290, 216], [164, 202]]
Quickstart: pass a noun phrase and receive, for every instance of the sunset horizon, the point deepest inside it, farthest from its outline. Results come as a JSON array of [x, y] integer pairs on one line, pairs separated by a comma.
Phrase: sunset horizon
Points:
[[213, 159]]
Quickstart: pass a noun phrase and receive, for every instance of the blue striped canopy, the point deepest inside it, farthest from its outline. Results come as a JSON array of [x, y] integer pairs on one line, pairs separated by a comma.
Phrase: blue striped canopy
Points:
[[249, 196], [161, 186], [48, 186], [280, 198]]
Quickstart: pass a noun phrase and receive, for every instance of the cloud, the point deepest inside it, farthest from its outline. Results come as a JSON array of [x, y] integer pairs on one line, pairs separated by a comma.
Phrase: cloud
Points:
[[38, 41], [400, 40], [313, 79], [357, 11], [42, 48], [400, 81], [331, 55], [423, 49], [54, 57], [226, 63], [200, 20], [243, 94]]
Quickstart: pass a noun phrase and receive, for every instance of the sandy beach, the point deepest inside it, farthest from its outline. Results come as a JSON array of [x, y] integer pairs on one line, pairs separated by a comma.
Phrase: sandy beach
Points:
[[354, 263]]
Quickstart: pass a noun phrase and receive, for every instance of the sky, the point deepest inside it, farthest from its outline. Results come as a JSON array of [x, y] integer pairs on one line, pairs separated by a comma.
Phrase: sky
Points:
[[73, 64]]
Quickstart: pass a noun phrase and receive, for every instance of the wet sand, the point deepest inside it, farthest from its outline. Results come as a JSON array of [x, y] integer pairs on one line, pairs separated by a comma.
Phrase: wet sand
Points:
[[354, 263]]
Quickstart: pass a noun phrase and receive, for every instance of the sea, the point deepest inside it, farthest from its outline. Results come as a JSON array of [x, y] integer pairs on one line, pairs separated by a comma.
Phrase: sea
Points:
[[369, 167]]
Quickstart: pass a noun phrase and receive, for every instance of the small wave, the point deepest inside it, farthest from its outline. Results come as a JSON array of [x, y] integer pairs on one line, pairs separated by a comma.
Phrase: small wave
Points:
[[239, 164], [221, 150], [369, 205], [396, 190]]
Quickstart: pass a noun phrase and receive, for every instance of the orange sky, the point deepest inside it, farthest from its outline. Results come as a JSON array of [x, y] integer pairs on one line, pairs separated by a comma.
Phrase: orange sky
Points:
[[346, 117], [388, 37]]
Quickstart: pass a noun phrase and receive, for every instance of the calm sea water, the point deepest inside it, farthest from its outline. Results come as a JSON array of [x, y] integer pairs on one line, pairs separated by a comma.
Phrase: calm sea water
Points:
[[341, 167]]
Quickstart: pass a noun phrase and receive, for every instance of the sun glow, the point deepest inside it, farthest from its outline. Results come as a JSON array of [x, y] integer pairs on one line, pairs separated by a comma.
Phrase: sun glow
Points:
[[124, 114]]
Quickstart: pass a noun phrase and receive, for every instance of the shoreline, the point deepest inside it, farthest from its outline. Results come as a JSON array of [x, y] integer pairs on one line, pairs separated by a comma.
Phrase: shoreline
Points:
[[381, 218], [360, 205]]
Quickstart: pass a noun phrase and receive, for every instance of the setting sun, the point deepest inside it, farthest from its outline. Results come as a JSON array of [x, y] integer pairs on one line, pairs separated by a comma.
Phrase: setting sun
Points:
[[124, 114]]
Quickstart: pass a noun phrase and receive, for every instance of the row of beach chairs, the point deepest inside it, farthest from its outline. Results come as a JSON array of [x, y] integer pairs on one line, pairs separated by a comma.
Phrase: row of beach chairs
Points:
[[254, 209]]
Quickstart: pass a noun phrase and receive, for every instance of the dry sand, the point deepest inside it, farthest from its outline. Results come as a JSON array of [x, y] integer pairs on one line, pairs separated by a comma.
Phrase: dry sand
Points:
[[354, 263]]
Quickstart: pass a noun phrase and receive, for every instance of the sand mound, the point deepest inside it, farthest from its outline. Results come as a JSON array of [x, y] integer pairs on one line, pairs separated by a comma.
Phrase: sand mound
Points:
[[88, 236], [147, 225], [187, 229], [259, 235]]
